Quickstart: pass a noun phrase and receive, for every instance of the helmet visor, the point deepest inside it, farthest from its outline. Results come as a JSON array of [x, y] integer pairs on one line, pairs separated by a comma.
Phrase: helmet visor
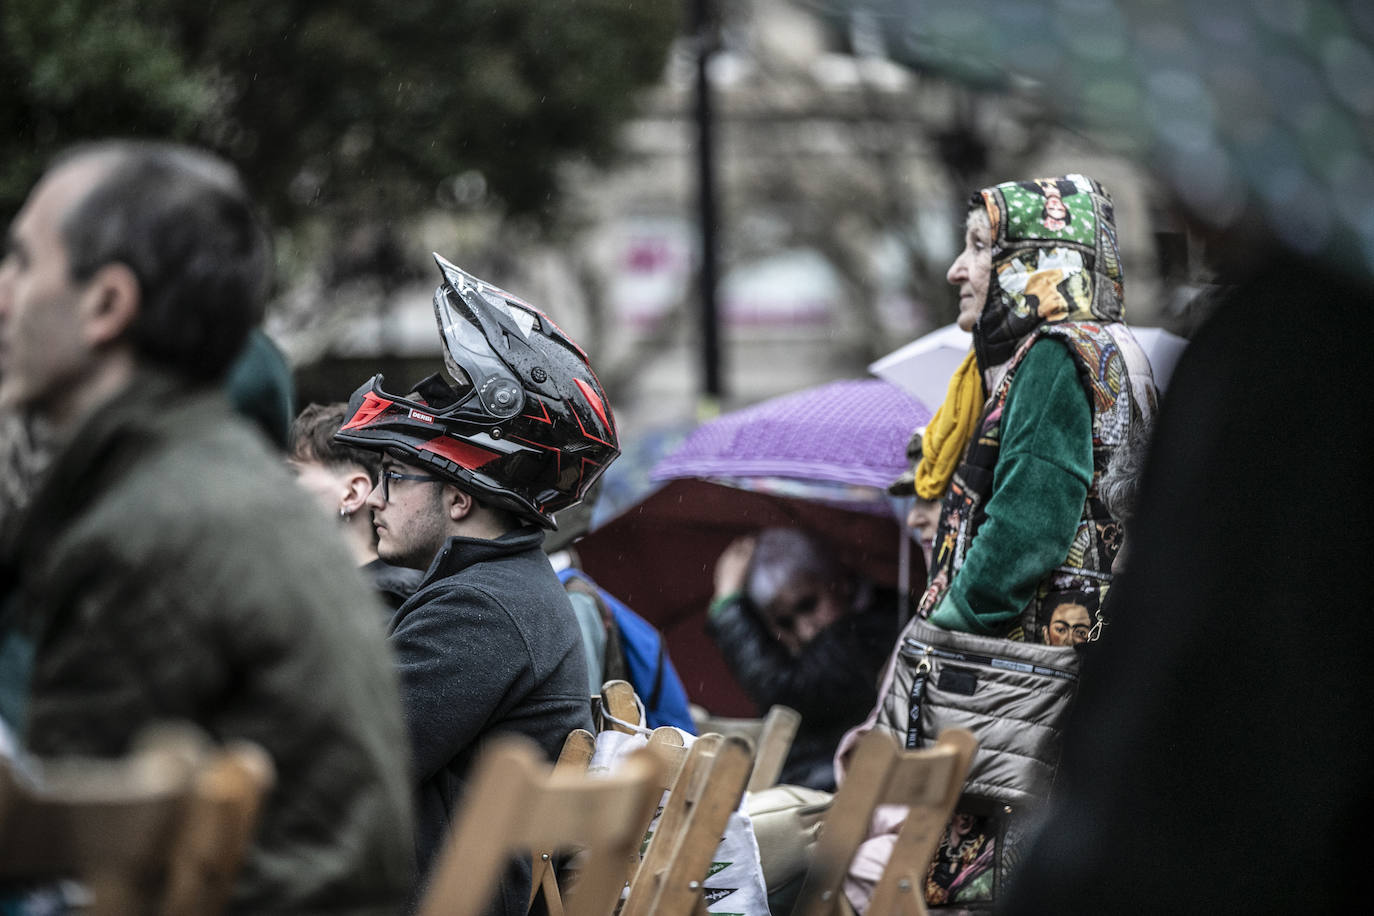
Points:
[[474, 319]]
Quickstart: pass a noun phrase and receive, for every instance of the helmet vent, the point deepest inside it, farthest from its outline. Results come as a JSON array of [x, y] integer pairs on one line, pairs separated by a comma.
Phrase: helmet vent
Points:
[[464, 454], [371, 408], [594, 402]]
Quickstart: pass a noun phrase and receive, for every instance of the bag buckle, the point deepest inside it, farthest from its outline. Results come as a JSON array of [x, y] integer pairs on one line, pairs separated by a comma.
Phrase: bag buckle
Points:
[[1095, 633]]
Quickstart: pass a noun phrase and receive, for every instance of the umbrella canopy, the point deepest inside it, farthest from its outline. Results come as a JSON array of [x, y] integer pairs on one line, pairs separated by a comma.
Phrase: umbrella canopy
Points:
[[818, 460], [1163, 348], [924, 366], [851, 432]]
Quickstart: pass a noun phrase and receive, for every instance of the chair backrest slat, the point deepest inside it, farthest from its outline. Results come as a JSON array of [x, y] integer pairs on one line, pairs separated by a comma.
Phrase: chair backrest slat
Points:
[[928, 781], [619, 699], [774, 741], [575, 757], [668, 744], [162, 830], [577, 752], [516, 803], [217, 829]]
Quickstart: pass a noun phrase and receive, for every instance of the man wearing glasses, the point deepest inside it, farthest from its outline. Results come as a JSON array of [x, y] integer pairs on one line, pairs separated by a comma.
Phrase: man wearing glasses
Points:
[[418, 529], [475, 462]]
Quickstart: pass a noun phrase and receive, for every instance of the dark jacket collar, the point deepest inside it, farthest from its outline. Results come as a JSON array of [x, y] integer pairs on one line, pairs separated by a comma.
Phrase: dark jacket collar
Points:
[[458, 553]]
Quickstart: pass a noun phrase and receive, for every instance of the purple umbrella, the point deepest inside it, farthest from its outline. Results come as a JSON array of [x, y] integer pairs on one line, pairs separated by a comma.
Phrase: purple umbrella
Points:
[[819, 459], [850, 433]]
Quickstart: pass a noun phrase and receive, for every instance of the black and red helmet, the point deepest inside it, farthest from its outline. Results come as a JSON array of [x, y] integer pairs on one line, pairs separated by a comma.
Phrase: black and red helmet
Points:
[[521, 421]]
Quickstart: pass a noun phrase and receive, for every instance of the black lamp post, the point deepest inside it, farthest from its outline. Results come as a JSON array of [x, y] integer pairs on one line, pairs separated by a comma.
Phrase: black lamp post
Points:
[[704, 33]]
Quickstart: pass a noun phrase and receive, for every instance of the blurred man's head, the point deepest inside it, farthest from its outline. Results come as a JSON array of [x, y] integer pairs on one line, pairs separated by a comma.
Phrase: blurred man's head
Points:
[[127, 255], [796, 587]]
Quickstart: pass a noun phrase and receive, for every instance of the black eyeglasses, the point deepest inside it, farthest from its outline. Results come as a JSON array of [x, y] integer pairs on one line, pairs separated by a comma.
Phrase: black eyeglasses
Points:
[[389, 475]]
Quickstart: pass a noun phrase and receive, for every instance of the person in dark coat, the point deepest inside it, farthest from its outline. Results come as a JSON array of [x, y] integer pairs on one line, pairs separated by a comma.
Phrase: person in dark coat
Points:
[[797, 629], [473, 467], [166, 568], [1218, 759]]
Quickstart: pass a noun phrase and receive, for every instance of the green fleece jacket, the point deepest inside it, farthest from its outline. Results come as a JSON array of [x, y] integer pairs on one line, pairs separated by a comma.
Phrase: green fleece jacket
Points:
[[169, 569], [1042, 478]]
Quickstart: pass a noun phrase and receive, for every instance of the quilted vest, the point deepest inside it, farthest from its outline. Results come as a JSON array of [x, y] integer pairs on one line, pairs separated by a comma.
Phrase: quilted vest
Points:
[[1108, 362]]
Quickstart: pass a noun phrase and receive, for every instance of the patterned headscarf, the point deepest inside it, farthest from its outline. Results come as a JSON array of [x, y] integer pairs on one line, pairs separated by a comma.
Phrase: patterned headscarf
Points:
[[1054, 258]]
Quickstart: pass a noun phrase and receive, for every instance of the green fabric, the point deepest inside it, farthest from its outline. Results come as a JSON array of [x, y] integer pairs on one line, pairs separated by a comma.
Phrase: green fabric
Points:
[[718, 605], [1041, 482], [260, 387]]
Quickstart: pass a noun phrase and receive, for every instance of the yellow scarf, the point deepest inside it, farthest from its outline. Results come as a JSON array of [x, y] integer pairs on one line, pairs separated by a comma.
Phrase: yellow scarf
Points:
[[950, 429]]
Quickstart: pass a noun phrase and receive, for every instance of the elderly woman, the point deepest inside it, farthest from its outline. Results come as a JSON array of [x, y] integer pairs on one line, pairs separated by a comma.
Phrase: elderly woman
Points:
[[1021, 524], [1050, 390]]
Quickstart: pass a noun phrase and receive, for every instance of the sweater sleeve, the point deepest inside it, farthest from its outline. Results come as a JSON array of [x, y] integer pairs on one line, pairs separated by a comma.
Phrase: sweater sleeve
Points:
[[758, 661], [1039, 485]]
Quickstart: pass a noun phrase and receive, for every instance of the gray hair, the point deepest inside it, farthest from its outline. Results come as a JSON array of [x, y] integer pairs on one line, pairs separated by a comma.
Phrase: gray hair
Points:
[[1120, 482], [785, 555]]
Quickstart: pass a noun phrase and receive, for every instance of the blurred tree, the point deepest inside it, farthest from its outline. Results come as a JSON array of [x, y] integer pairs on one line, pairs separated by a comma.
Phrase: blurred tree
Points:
[[342, 108]]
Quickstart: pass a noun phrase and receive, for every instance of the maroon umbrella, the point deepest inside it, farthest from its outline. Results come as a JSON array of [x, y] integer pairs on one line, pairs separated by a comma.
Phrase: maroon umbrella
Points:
[[816, 459]]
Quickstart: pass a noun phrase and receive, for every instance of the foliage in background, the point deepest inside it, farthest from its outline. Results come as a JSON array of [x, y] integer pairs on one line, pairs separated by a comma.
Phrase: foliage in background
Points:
[[344, 107]]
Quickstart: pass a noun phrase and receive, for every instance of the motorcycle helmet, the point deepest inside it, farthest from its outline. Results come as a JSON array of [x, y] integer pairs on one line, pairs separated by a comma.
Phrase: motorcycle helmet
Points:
[[518, 419]]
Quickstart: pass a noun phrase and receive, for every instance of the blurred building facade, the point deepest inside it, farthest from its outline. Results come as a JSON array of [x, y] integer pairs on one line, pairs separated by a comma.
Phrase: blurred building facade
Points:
[[843, 180]]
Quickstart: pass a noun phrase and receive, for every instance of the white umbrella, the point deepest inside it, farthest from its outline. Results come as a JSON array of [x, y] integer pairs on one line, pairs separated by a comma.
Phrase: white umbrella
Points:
[[924, 366], [1163, 348]]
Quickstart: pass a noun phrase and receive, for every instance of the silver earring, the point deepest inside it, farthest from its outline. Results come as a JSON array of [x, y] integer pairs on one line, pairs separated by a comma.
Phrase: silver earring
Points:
[[343, 513]]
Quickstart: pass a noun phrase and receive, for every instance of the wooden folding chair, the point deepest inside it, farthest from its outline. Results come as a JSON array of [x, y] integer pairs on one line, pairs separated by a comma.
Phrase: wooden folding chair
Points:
[[708, 788], [772, 736], [704, 783], [929, 781], [163, 830], [575, 756], [217, 828], [775, 737], [515, 803], [667, 743]]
